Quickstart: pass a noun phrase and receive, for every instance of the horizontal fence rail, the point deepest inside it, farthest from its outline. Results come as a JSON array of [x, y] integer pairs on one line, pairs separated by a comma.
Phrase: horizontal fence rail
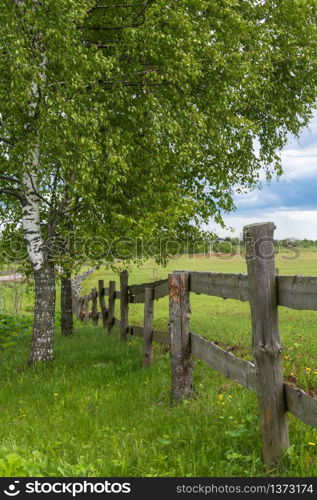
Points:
[[296, 292], [137, 292], [227, 286]]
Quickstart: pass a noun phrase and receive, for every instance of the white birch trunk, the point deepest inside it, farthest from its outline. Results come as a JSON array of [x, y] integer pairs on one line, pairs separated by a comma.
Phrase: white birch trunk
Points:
[[43, 268], [31, 208], [31, 220]]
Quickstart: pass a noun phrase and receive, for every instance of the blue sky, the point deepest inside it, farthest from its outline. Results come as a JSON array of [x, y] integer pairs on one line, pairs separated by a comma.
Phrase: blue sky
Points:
[[290, 202]]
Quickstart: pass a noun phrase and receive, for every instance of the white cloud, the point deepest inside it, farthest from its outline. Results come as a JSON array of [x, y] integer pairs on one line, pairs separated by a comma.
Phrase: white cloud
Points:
[[289, 223], [290, 203], [299, 163], [256, 198]]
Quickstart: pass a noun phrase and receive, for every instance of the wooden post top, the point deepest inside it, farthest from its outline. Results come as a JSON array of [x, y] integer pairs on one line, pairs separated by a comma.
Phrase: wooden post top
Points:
[[259, 228], [259, 242]]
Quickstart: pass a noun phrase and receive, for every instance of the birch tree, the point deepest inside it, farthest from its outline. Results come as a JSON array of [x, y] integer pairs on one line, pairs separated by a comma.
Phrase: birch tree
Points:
[[47, 124]]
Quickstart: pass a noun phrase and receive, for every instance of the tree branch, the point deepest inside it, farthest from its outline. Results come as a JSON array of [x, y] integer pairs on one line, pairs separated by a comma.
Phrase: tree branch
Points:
[[15, 194], [110, 28], [145, 83], [142, 11], [9, 178], [99, 45], [40, 197], [115, 6]]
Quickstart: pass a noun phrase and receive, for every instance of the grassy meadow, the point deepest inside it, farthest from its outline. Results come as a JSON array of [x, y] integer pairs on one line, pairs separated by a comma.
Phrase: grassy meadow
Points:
[[95, 412]]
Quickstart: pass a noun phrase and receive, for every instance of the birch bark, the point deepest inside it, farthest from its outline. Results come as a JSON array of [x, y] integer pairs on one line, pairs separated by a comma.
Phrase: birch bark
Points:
[[42, 265]]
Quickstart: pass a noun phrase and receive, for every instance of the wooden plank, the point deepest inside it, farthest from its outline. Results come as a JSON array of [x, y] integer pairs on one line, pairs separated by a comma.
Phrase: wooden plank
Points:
[[266, 343], [225, 362], [137, 299], [136, 289], [81, 314], [86, 308], [94, 313], [102, 303], [137, 292], [161, 290], [158, 335], [124, 305], [225, 285], [111, 305], [300, 404], [106, 293], [136, 331], [297, 292], [78, 306], [181, 363], [148, 327], [162, 337]]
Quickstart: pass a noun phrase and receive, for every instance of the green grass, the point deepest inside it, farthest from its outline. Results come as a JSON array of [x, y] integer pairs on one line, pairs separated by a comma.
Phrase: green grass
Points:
[[16, 298], [95, 412]]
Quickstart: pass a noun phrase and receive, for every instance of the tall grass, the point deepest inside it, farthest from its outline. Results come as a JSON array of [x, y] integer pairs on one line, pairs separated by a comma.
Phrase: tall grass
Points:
[[95, 412]]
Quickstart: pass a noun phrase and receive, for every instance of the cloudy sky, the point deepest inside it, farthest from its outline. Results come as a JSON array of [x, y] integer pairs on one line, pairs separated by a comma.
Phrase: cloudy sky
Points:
[[290, 202]]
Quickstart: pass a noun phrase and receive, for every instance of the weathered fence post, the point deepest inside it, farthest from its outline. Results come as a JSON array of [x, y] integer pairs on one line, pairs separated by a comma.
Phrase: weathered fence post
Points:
[[181, 364], [80, 308], [102, 302], [77, 306], [74, 303], [266, 339], [94, 307], [124, 305], [86, 308], [148, 327], [111, 305]]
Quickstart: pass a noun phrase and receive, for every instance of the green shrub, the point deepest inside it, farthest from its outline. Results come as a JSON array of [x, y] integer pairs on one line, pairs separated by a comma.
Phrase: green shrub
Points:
[[14, 330]]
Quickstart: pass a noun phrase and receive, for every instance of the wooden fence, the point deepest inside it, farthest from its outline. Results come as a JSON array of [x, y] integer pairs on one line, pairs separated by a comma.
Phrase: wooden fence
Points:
[[264, 290]]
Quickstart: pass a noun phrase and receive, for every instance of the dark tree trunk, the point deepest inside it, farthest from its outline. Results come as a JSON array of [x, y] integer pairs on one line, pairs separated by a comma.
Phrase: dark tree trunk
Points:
[[67, 323], [44, 314]]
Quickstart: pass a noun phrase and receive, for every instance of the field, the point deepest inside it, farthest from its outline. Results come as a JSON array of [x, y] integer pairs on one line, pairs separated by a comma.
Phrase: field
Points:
[[95, 412]]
